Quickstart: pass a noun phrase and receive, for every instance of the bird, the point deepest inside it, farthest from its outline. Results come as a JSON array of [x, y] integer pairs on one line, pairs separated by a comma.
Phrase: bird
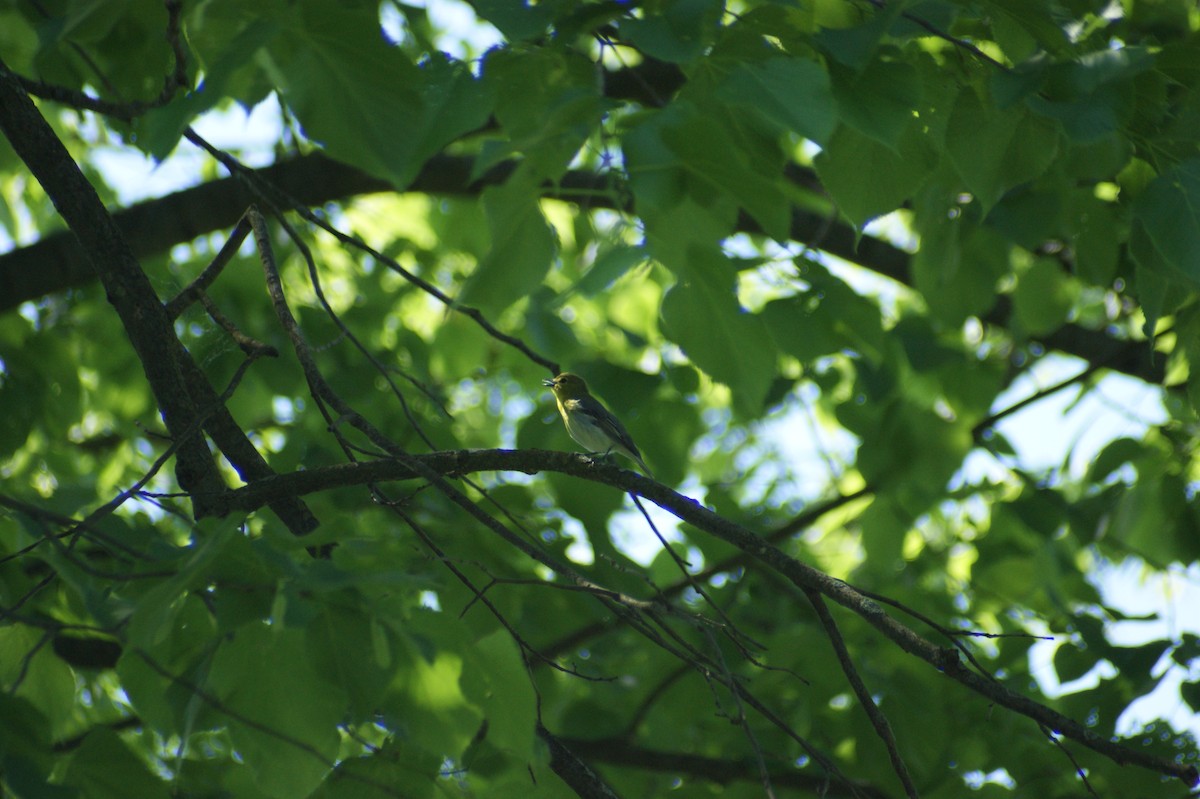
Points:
[[589, 422]]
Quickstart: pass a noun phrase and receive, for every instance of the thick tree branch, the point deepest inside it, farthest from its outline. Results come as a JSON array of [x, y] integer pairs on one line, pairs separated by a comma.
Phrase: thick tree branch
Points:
[[126, 285], [619, 752], [57, 262], [944, 659], [179, 385], [581, 777]]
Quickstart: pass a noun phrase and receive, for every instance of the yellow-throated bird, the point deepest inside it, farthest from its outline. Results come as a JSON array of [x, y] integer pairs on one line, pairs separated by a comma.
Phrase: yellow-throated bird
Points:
[[589, 422]]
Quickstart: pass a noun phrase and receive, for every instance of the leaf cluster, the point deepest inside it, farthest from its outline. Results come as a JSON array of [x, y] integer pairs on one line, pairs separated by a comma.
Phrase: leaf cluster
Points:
[[812, 254]]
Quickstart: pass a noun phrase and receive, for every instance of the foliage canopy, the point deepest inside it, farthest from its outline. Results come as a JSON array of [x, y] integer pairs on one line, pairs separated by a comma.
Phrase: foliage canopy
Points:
[[281, 514]]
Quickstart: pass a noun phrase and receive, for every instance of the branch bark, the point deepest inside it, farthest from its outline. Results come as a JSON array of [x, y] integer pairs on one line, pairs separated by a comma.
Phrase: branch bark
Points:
[[179, 385], [57, 262], [619, 752], [581, 777], [125, 284], [945, 659]]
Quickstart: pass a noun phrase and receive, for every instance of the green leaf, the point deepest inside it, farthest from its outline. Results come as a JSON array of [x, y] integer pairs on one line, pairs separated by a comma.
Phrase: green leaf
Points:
[[1157, 293], [880, 101], [702, 316], [160, 129], [909, 708], [855, 46], [1098, 160], [1035, 18], [169, 706], [499, 682], [153, 618], [1092, 118], [390, 115], [958, 266], [1096, 240], [1189, 692], [340, 643], [454, 104], [866, 178], [105, 768], [1153, 516], [1029, 217], [25, 751], [792, 94], [547, 102], [395, 769], [523, 247], [1168, 211], [1136, 663], [335, 51], [1114, 455], [1072, 662], [664, 428], [884, 524], [1187, 650], [428, 697], [995, 150], [592, 509], [1013, 576], [800, 329], [679, 210], [678, 32], [905, 447], [516, 19], [285, 729], [1043, 297], [47, 682], [609, 267], [122, 39], [709, 155], [22, 393], [655, 173], [828, 318], [1093, 97], [18, 40]]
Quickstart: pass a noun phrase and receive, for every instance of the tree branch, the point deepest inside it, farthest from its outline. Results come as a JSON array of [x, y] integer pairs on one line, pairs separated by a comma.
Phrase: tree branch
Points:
[[582, 779], [57, 262], [807, 578], [878, 720], [721, 771], [179, 385], [126, 285]]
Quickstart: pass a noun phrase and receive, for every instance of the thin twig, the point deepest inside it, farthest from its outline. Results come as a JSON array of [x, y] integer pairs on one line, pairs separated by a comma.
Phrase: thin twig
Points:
[[175, 80], [27, 659], [196, 424], [346, 332], [478, 593], [276, 196], [1036, 396], [735, 634], [45, 517], [947, 660], [878, 720], [941, 34], [764, 775], [179, 303], [216, 704]]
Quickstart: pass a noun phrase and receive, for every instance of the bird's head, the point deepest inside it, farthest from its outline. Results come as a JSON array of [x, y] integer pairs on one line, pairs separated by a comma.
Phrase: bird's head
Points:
[[567, 386]]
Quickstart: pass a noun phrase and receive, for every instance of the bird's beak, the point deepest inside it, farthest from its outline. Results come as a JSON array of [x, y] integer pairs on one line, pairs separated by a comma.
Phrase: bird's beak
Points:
[[548, 383]]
